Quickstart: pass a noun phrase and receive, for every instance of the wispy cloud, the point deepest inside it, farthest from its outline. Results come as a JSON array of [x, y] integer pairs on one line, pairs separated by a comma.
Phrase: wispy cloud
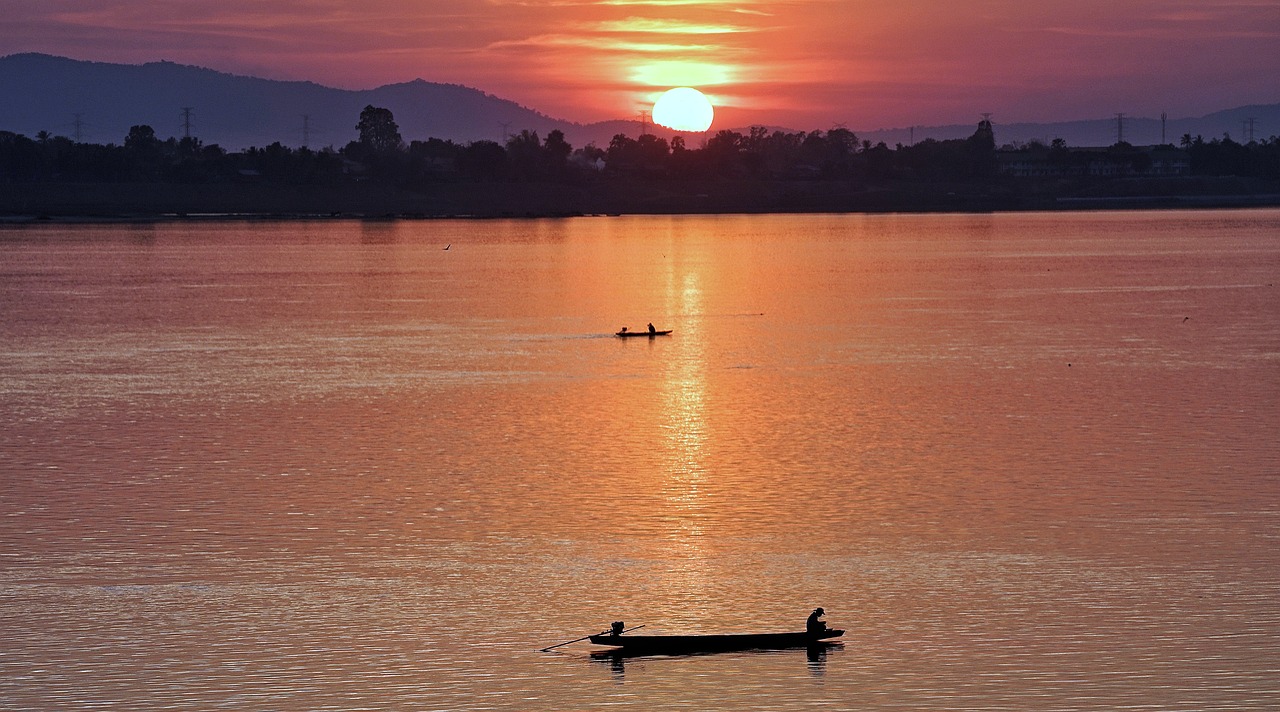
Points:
[[670, 27], [597, 44]]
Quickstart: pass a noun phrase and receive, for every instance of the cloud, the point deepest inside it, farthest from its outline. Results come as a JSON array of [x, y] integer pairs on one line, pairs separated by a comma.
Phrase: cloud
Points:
[[671, 27], [597, 45]]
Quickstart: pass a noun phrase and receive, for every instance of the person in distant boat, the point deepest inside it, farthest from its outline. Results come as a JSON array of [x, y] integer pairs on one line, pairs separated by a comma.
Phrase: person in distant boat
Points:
[[651, 329], [813, 625], [623, 330], [617, 628]]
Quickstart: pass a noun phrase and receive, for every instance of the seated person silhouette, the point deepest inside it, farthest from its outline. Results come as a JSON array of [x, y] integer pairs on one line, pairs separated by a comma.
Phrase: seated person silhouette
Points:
[[813, 625]]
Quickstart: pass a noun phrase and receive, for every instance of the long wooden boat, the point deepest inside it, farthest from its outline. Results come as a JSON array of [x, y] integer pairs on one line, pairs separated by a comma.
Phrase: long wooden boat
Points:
[[627, 334], [685, 644]]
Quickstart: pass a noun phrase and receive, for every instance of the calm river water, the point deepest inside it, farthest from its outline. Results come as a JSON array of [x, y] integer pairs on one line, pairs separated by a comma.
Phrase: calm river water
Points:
[[1028, 461]]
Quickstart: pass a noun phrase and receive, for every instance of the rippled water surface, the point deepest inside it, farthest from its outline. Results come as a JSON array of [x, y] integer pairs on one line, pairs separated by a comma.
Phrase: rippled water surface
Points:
[[1030, 462]]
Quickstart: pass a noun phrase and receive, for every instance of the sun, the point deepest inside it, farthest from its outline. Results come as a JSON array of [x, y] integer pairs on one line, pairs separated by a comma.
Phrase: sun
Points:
[[684, 109]]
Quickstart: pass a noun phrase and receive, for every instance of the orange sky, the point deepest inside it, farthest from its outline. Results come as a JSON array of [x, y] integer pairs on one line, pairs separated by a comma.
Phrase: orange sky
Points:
[[806, 64]]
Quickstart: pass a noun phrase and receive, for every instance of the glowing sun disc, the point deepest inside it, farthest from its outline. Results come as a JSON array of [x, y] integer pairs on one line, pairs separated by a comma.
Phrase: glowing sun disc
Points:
[[684, 109]]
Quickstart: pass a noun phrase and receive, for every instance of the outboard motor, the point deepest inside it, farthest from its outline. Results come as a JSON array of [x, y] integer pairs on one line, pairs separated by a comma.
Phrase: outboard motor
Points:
[[617, 628]]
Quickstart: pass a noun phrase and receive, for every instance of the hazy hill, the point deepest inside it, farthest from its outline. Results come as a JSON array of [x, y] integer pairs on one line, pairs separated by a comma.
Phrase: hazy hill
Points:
[[41, 92], [1140, 131], [45, 93]]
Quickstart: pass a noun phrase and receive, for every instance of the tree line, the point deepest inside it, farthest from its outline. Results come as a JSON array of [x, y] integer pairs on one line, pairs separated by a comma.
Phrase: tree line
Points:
[[381, 154], [1225, 157], [1215, 157]]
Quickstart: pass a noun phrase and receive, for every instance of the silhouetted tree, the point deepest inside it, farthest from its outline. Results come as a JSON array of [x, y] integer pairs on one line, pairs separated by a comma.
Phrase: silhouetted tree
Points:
[[556, 153], [524, 155], [647, 154], [589, 158], [144, 152], [189, 146], [982, 151], [378, 130], [878, 160], [653, 152], [483, 160], [433, 159], [832, 154], [723, 153], [141, 138], [19, 158]]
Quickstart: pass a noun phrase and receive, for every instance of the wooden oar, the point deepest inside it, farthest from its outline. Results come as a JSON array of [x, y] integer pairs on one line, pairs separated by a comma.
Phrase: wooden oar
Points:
[[575, 640]]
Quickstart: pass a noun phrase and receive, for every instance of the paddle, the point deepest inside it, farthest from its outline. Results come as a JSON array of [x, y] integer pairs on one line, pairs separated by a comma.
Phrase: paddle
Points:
[[603, 632]]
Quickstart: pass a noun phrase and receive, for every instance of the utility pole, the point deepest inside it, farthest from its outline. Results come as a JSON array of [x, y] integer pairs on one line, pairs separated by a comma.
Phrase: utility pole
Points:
[[186, 121], [1120, 127]]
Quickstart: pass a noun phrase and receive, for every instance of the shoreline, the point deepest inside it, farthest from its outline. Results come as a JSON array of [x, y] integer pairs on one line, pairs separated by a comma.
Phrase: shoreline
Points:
[[163, 202]]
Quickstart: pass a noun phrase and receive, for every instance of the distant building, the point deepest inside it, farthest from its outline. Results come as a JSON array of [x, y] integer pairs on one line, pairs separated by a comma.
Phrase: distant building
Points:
[[1119, 161]]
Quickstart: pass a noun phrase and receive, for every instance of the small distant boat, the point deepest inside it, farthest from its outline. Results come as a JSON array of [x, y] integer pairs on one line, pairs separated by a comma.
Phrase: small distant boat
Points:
[[688, 644], [625, 334]]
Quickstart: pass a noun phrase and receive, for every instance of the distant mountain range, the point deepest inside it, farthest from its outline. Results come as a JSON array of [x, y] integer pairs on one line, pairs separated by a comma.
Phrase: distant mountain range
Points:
[[97, 102]]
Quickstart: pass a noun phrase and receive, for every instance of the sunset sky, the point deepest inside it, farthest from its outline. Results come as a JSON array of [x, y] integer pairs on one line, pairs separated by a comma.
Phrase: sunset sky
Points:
[[803, 64]]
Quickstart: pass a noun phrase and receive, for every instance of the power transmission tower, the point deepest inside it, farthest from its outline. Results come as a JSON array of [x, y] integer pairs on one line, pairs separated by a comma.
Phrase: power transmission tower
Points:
[[1120, 127], [306, 130], [505, 133], [78, 124], [1248, 129], [1164, 119], [644, 123], [186, 121]]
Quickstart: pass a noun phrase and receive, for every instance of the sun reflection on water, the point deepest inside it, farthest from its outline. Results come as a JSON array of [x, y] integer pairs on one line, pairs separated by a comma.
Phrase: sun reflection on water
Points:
[[684, 423]]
